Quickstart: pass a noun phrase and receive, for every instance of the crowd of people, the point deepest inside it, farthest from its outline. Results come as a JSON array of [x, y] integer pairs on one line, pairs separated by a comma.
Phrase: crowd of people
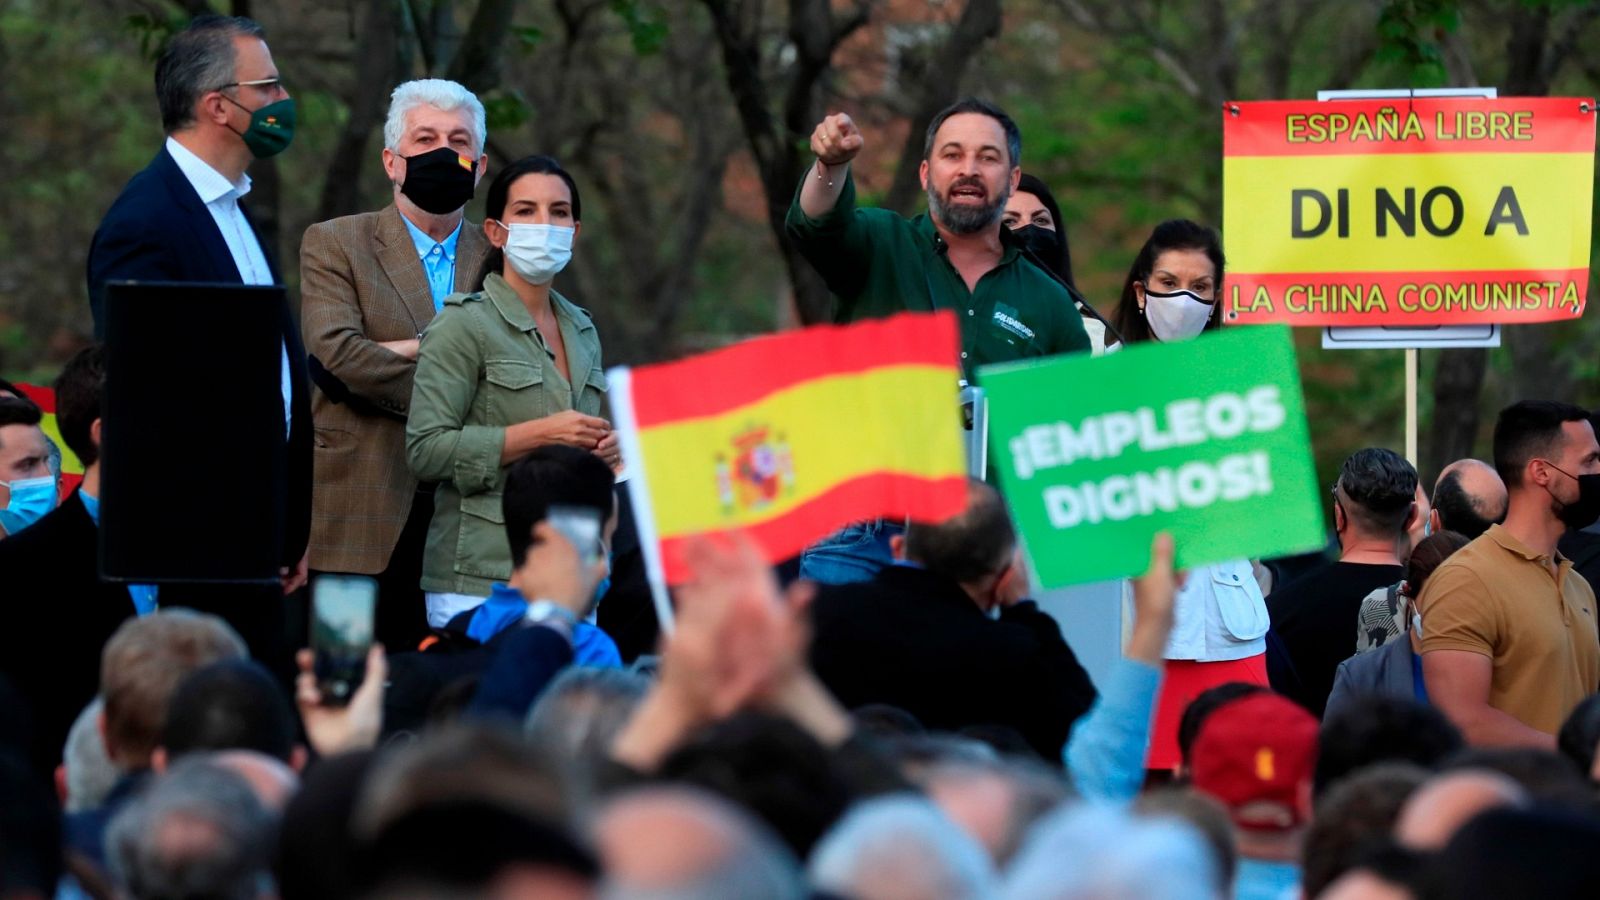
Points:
[[1418, 718]]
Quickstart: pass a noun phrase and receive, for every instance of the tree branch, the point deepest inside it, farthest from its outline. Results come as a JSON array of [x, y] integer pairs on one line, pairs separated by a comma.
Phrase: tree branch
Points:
[[979, 23], [477, 64], [379, 62], [1564, 46], [1090, 18]]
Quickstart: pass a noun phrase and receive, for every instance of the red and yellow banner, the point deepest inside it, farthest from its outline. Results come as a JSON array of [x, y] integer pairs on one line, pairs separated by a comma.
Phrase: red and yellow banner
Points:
[[1424, 211], [790, 437]]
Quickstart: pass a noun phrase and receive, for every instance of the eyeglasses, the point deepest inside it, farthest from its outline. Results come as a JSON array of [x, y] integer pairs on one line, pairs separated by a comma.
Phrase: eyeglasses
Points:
[[271, 84]]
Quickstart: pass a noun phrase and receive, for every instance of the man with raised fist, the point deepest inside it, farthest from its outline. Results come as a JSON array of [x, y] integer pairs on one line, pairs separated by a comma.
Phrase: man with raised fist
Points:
[[956, 257]]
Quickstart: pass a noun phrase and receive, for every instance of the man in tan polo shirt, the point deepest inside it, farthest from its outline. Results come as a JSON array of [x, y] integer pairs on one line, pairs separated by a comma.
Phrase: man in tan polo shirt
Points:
[[1509, 643]]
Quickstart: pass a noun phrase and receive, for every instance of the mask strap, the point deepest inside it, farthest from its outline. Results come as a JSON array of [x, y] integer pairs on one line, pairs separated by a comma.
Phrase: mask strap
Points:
[[241, 106]]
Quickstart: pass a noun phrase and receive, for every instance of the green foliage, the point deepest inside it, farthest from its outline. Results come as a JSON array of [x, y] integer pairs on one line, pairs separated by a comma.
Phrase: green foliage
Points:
[[505, 110], [154, 31], [528, 37], [1410, 31], [646, 22]]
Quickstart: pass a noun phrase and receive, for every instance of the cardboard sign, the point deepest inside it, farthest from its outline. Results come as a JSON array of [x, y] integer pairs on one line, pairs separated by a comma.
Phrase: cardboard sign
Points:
[[1205, 439], [1425, 211]]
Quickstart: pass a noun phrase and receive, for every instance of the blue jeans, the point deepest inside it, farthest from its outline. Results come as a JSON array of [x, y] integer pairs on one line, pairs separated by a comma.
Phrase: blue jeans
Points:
[[852, 554]]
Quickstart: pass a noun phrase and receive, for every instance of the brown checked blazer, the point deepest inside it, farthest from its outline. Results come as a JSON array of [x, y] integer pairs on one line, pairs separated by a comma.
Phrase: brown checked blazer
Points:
[[362, 284]]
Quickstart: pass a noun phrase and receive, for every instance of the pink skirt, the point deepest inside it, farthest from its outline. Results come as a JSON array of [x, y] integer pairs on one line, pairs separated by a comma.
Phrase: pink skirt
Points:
[[1184, 680]]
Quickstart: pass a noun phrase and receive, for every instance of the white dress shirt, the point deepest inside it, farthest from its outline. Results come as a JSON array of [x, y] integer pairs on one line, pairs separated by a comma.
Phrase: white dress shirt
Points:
[[221, 198]]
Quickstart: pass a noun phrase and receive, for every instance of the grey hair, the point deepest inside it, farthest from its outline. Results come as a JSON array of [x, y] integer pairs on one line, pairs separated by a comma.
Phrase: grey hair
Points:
[[52, 457], [1091, 851], [90, 772], [583, 710], [198, 59], [1033, 789], [754, 865], [441, 94], [901, 846], [199, 831]]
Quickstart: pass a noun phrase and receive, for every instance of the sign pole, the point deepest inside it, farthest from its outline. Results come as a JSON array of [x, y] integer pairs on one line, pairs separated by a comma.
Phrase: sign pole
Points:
[[1411, 405]]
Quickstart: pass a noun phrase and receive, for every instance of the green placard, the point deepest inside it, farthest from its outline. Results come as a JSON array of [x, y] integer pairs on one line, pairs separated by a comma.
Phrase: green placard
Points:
[[1205, 439]]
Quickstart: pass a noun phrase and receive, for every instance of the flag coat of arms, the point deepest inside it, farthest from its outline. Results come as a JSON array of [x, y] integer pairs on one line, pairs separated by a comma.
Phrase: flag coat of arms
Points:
[[792, 436]]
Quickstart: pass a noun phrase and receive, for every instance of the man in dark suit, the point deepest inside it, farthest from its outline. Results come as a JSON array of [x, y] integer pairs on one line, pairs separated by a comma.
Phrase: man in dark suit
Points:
[[369, 284], [180, 219], [59, 610], [920, 635]]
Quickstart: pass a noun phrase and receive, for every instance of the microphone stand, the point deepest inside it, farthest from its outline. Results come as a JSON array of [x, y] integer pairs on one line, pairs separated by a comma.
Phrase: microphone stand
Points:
[[1077, 298]]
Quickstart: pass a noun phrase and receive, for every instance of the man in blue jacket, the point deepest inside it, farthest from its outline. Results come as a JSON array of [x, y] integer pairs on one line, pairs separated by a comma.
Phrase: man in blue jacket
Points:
[[180, 219]]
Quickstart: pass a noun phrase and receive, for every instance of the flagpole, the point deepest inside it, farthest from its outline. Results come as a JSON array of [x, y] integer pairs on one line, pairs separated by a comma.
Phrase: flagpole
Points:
[[619, 382]]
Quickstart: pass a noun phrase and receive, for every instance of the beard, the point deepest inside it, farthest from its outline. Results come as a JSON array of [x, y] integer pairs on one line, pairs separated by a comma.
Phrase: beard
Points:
[[965, 218]]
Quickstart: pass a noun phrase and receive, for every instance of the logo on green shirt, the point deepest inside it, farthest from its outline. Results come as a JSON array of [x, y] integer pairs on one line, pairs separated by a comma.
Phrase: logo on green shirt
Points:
[[1006, 318]]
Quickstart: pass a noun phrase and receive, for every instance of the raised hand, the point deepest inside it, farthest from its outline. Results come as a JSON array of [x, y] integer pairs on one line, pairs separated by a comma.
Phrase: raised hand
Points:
[[836, 140], [338, 729], [1154, 595], [553, 570]]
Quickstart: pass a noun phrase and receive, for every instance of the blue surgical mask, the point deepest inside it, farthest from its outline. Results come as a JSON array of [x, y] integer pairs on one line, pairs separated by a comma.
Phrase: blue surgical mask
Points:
[[31, 498]]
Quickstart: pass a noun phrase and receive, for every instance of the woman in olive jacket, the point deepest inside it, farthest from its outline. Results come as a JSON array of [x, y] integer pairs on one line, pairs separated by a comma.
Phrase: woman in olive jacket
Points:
[[501, 371]]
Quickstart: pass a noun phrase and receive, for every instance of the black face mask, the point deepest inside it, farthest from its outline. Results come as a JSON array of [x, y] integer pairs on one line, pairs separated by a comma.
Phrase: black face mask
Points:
[[1582, 512], [1041, 242], [439, 181]]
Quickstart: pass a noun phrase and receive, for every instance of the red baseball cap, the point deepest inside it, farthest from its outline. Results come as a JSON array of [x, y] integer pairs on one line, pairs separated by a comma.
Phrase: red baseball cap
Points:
[[1257, 749]]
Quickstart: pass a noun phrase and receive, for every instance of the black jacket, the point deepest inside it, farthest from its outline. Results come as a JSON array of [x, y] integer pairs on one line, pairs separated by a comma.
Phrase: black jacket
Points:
[[59, 615], [914, 640], [498, 679]]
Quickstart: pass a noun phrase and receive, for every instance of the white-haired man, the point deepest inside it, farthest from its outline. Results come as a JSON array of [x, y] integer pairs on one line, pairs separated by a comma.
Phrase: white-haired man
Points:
[[370, 284]]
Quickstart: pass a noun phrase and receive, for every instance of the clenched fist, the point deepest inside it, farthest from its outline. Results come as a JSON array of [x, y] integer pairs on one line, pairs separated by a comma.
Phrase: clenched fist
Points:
[[836, 140]]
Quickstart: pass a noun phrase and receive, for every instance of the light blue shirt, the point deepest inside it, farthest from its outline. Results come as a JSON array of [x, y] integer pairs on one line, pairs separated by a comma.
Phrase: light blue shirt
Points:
[[1262, 880], [1105, 754], [438, 260], [221, 198], [144, 596], [506, 608]]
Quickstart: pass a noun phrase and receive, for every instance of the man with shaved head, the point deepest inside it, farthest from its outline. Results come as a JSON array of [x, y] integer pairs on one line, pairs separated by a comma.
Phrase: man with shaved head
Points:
[[1439, 808], [1468, 497]]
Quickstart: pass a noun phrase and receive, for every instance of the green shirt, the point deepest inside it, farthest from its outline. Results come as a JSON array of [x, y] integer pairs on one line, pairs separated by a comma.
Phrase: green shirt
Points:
[[877, 262], [484, 366]]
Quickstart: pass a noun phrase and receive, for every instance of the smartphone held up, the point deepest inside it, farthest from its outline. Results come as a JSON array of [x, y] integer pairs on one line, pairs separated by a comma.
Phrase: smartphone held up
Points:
[[342, 609]]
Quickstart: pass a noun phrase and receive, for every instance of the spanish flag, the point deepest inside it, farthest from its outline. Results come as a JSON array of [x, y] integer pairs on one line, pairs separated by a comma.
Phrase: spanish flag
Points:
[[792, 436]]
